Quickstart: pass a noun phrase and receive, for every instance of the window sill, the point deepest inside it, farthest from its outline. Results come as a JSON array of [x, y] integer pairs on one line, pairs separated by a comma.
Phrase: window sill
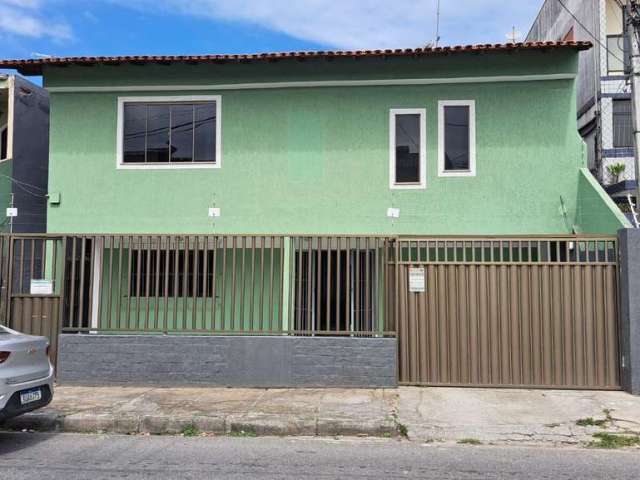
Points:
[[167, 166], [457, 173], [408, 186]]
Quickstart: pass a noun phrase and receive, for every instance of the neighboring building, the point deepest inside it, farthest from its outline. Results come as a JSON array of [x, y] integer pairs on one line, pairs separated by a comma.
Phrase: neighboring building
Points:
[[438, 194], [24, 152], [604, 99]]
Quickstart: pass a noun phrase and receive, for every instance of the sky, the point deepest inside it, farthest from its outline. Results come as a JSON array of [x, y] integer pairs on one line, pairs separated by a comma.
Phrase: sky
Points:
[[32, 28]]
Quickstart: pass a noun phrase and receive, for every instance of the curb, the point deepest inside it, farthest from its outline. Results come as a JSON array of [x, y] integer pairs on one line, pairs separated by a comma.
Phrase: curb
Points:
[[260, 425]]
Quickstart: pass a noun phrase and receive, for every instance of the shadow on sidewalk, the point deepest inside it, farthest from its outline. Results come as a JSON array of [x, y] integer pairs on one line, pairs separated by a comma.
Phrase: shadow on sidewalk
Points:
[[11, 442]]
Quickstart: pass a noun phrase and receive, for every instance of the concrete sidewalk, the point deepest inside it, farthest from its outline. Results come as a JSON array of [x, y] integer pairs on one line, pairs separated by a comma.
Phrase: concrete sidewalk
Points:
[[215, 410], [497, 416], [493, 415]]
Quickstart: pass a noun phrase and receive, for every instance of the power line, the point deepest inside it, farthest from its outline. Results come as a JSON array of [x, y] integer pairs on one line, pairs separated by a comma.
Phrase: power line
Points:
[[22, 183], [25, 187]]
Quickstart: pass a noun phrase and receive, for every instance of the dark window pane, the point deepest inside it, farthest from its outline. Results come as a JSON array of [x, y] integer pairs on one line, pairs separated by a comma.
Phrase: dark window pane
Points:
[[166, 132], [622, 124], [4, 147], [205, 133], [407, 148], [158, 133], [182, 133], [135, 124], [456, 138]]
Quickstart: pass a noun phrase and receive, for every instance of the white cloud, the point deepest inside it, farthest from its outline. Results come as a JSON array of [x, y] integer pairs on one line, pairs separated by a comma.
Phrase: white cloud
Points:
[[24, 18], [22, 3], [364, 23]]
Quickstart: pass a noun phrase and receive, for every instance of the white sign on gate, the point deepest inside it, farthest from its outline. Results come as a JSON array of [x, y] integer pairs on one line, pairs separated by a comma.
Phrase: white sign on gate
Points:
[[41, 287], [416, 279]]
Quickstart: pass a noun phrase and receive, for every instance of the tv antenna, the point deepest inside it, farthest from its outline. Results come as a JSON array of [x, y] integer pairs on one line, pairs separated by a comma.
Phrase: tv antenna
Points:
[[437, 23], [514, 35]]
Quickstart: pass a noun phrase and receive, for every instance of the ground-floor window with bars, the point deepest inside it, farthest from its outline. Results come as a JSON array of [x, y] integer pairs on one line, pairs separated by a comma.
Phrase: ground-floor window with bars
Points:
[[176, 273], [336, 290]]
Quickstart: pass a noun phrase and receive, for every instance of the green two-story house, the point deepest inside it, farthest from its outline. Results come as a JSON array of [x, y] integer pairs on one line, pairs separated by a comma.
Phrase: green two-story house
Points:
[[458, 140], [346, 194]]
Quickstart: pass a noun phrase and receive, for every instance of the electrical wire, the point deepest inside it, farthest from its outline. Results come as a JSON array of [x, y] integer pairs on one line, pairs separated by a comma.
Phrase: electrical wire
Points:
[[22, 183], [26, 187]]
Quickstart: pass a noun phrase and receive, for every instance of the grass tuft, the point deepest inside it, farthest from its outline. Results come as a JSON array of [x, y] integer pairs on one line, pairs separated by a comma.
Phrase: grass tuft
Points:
[[190, 430], [590, 422], [469, 441], [611, 441]]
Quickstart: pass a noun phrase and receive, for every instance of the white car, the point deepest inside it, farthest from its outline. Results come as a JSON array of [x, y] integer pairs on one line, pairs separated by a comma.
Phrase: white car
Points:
[[26, 374]]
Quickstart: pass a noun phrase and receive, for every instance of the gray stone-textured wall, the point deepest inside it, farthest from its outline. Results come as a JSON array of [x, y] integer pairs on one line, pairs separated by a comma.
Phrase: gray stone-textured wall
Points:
[[229, 361], [629, 245]]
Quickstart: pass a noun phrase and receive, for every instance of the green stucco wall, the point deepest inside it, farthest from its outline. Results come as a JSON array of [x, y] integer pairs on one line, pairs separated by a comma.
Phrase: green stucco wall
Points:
[[251, 304], [595, 207], [316, 160]]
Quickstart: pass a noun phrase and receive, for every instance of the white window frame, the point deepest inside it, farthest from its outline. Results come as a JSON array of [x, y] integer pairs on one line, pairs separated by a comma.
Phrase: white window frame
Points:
[[168, 166], [5, 126], [472, 138], [422, 113]]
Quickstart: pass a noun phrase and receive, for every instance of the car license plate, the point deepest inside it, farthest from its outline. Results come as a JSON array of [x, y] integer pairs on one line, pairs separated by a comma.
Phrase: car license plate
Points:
[[30, 396]]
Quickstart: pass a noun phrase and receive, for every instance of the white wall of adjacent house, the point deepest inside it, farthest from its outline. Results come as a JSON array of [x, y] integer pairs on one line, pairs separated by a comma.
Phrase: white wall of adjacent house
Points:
[[613, 17]]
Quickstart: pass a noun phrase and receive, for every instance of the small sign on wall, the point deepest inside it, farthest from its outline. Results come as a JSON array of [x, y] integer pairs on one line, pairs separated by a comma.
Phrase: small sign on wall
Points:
[[416, 279], [12, 212], [41, 287]]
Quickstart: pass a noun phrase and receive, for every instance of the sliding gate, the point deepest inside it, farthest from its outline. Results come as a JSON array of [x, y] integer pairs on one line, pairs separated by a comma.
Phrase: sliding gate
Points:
[[535, 312]]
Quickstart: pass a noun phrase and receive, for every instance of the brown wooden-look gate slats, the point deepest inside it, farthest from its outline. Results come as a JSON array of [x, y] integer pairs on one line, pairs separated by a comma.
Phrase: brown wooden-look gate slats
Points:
[[509, 312], [26, 258]]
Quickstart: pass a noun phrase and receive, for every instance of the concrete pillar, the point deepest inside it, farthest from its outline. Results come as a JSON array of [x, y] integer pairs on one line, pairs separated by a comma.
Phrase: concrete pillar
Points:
[[629, 247]]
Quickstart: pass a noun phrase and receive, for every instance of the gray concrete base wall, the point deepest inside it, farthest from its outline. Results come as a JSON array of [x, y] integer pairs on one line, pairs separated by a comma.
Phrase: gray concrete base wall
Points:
[[229, 361], [629, 246]]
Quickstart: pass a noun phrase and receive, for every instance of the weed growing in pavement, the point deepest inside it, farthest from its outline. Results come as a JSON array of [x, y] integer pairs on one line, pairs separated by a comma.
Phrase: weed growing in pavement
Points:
[[190, 430], [609, 440], [401, 428], [469, 441], [590, 422]]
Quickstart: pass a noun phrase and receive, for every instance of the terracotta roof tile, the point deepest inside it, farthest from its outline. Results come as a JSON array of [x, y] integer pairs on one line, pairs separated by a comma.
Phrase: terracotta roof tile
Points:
[[34, 66]]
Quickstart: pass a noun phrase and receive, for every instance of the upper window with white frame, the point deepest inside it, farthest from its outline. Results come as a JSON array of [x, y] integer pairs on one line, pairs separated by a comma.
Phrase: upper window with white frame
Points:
[[169, 132], [456, 138], [407, 148]]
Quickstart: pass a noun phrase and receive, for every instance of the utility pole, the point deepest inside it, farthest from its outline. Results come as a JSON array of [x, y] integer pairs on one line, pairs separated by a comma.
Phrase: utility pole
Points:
[[633, 33]]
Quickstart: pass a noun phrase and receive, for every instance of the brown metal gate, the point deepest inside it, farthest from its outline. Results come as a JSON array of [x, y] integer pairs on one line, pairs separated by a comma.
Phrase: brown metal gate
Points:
[[29, 263], [534, 312]]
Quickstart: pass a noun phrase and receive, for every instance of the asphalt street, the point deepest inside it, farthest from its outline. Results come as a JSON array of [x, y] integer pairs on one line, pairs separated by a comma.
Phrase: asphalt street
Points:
[[95, 457]]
